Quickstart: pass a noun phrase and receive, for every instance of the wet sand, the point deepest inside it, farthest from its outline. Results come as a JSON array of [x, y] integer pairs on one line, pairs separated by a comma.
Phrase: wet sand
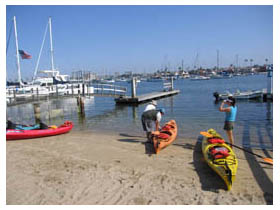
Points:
[[90, 168]]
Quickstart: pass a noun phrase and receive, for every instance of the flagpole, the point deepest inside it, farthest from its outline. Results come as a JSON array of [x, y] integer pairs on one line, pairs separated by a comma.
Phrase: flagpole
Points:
[[18, 64]]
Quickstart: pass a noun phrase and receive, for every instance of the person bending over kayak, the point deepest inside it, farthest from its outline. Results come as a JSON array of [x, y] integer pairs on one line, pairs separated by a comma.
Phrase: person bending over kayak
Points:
[[151, 122], [230, 111], [151, 106]]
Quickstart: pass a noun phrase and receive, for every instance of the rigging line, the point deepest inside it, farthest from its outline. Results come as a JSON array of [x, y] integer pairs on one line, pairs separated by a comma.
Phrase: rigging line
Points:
[[37, 64], [9, 37]]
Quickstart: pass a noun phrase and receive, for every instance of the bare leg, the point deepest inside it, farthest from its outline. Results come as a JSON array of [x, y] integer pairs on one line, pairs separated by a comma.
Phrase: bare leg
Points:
[[230, 136]]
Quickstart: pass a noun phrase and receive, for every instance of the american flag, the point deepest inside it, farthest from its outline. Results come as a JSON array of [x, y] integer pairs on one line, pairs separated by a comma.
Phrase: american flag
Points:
[[24, 55]]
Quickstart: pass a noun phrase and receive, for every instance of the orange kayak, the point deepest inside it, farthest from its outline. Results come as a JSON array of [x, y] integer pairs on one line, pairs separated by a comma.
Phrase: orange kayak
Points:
[[165, 136]]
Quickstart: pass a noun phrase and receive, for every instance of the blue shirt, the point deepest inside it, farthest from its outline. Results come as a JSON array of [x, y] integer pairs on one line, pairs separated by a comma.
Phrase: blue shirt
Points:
[[230, 116]]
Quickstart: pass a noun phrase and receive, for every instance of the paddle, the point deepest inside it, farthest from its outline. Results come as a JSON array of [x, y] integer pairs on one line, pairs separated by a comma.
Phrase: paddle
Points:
[[268, 160]]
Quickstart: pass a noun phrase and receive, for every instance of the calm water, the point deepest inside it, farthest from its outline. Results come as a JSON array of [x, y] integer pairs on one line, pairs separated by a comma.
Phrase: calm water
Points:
[[193, 109]]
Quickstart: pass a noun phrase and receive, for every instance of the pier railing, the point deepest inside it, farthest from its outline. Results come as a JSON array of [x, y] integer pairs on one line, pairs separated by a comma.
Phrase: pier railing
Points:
[[110, 90], [16, 96]]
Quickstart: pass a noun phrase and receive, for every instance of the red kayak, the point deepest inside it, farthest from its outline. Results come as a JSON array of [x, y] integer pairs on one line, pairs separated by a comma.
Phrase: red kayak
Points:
[[12, 134]]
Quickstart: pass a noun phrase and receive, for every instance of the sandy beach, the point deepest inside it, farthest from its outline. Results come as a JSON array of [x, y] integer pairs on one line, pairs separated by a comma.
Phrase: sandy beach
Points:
[[119, 168]]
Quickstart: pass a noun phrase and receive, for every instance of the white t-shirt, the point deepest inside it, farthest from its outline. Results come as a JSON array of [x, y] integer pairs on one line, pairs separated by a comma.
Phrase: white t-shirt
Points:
[[158, 116], [149, 107]]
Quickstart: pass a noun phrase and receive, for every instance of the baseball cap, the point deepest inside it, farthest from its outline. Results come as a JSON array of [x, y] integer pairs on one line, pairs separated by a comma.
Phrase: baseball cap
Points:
[[230, 99], [162, 110]]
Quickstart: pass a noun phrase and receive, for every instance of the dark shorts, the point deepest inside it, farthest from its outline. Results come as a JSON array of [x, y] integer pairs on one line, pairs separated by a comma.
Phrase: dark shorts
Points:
[[228, 125], [148, 125]]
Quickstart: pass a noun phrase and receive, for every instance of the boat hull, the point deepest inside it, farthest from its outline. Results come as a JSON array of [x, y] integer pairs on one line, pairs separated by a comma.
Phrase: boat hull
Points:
[[12, 134], [250, 95], [197, 78], [160, 143], [226, 168]]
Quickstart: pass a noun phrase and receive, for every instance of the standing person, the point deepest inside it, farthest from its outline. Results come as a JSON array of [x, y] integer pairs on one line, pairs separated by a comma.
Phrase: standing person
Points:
[[230, 111], [151, 121]]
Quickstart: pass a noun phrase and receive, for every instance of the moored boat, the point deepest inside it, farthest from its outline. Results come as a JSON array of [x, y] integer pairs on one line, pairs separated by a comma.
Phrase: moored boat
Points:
[[220, 157], [15, 134], [247, 95], [217, 76], [196, 78], [165, 136]]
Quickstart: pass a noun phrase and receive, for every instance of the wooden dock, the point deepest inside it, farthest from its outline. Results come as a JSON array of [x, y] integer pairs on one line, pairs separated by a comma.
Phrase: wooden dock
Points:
[[145, 97]]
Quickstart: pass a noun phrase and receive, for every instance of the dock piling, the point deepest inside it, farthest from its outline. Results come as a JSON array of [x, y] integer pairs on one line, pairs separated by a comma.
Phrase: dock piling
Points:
[[81, 104], [83, 89], [269, 80], [56, 91], [172, 84], [133, 87], [36, 108]]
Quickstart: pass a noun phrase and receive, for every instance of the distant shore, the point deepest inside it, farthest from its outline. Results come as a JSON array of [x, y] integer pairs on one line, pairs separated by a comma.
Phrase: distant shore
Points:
[[99, 168]]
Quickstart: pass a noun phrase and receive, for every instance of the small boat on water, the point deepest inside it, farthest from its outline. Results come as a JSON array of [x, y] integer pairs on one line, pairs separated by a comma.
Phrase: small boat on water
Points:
[[121, 80], [251, 94], [165, 136], [108, 81], [196, 78], [155, 79], [217, 76], [15, 134], [220, 157], [137, 81]]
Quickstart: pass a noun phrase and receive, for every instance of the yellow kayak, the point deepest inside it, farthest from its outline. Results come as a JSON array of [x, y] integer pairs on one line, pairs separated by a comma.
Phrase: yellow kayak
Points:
[[225, 165]]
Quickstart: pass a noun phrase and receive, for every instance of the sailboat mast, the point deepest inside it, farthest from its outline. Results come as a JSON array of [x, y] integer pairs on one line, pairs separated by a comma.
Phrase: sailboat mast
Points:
[[50, 25], [18, 64], [218, 60], [237, 61], [37, 64]]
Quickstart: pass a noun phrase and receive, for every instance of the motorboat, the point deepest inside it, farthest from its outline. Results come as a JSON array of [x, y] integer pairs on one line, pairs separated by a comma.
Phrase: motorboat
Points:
[[250, 94]]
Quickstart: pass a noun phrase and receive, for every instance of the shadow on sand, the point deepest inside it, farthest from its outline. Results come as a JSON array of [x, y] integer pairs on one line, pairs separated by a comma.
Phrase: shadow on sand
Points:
[[133, 136], [149, 149], [257, 169], [210, 181]]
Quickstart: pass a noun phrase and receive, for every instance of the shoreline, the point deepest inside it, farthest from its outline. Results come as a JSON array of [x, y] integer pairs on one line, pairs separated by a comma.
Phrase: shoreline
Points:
[[84, 167]]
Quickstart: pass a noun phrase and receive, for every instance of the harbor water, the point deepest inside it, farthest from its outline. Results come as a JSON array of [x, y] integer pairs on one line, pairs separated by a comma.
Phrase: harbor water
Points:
[[194, 110]]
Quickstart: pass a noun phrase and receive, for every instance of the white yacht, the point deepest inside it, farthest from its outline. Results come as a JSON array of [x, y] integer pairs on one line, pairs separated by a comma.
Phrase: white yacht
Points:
[[200, 78]]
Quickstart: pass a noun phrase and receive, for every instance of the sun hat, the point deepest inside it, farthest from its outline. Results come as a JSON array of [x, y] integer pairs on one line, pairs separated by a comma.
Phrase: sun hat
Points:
[[154, 102]]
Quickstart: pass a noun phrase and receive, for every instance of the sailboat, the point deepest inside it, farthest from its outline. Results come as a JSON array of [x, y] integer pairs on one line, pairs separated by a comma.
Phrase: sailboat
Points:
[[52, 77], [20, 90]]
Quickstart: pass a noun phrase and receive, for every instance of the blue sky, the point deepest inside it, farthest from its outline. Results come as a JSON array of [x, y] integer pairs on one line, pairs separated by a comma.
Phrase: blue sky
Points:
[[108, 39]]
